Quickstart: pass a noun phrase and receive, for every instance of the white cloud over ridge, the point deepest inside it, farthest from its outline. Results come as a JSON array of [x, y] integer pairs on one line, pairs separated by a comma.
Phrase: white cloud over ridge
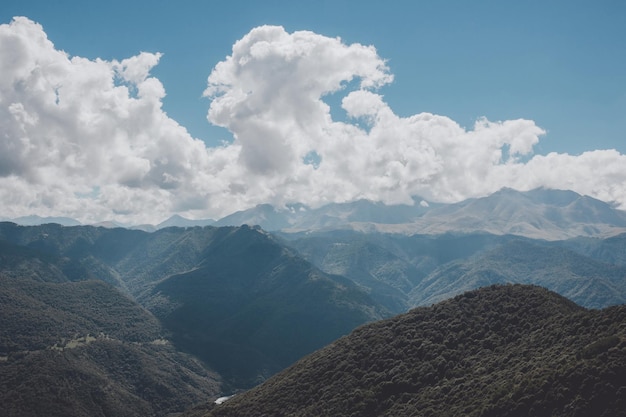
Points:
[[88, 138]]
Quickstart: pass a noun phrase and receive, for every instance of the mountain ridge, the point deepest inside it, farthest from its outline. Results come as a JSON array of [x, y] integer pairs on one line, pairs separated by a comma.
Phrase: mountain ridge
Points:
[[539, 213], [236, 289]]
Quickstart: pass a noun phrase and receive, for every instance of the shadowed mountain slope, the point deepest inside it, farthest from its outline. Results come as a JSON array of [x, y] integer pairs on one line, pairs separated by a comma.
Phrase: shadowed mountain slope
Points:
[[498, 351], [233, 296], [252, 307], [75, 347]]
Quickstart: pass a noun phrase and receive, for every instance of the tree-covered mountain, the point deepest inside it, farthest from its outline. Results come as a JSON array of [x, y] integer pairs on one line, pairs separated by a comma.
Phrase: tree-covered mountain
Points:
[[164, 319], [610, 250], [251, 307], [234, 296], [383, 265], [71, 345], [499, 351], [407, 271]]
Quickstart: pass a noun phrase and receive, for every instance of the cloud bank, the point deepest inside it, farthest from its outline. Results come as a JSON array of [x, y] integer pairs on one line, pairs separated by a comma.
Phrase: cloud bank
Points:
[[89, 139]]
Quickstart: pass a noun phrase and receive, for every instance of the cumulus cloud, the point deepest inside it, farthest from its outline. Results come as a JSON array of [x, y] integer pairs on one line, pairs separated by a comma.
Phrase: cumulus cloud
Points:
[[270, 94], [89, 139]]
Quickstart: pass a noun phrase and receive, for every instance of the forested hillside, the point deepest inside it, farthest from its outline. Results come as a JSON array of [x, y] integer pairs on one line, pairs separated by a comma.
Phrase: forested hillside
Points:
[[499, 351], [234, 297], [71, 345]]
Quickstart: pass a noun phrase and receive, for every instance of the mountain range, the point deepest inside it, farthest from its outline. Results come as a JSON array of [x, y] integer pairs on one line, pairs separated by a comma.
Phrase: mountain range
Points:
[[153, 320], [233, 297], [538, 214], [401, 272]]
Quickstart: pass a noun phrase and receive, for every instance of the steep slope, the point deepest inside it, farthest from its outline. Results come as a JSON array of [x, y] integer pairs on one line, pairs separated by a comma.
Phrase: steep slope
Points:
[[103, 377], [132, 260], [588, 282], [498, 351], [251, 307], [75, 347], [265, 307]]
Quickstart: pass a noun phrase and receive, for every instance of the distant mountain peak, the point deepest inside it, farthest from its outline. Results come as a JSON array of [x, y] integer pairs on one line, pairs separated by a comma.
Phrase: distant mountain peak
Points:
[[177, 220], [35, 220]]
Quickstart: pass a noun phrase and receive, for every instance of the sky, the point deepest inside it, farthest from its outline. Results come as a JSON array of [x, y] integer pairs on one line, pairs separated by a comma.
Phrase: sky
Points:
[[134, 111]]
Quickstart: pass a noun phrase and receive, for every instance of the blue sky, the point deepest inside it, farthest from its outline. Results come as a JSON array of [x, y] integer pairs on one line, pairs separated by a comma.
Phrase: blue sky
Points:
[[458, 99], [559, 63]]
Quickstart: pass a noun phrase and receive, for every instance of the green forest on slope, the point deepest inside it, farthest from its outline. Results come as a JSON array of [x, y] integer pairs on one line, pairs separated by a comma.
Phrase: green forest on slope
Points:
[[502, 351]]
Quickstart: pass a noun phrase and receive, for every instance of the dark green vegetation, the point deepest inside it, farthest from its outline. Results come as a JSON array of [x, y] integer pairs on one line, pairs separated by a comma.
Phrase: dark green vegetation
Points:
[[499, 351], [251, 307], [234, 298], [72, 347], [106, 377]]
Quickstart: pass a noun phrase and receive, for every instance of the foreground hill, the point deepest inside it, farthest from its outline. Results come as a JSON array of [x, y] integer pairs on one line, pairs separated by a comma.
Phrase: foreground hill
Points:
[[498, 351]]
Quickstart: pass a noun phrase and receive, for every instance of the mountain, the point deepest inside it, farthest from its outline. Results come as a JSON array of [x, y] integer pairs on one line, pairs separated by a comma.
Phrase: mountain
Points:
[[295, 218], [35, 220], [251, 307], [71, 345], [349, 215], [372, 261], [586, 281], [264, 215], [538, 214], [499, 351], [180, 221], [234, 296], [610, 250], [405, 271]]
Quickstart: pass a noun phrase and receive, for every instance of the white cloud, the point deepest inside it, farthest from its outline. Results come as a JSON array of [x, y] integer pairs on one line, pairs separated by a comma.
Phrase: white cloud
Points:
[[72, 125], [89, 139]]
